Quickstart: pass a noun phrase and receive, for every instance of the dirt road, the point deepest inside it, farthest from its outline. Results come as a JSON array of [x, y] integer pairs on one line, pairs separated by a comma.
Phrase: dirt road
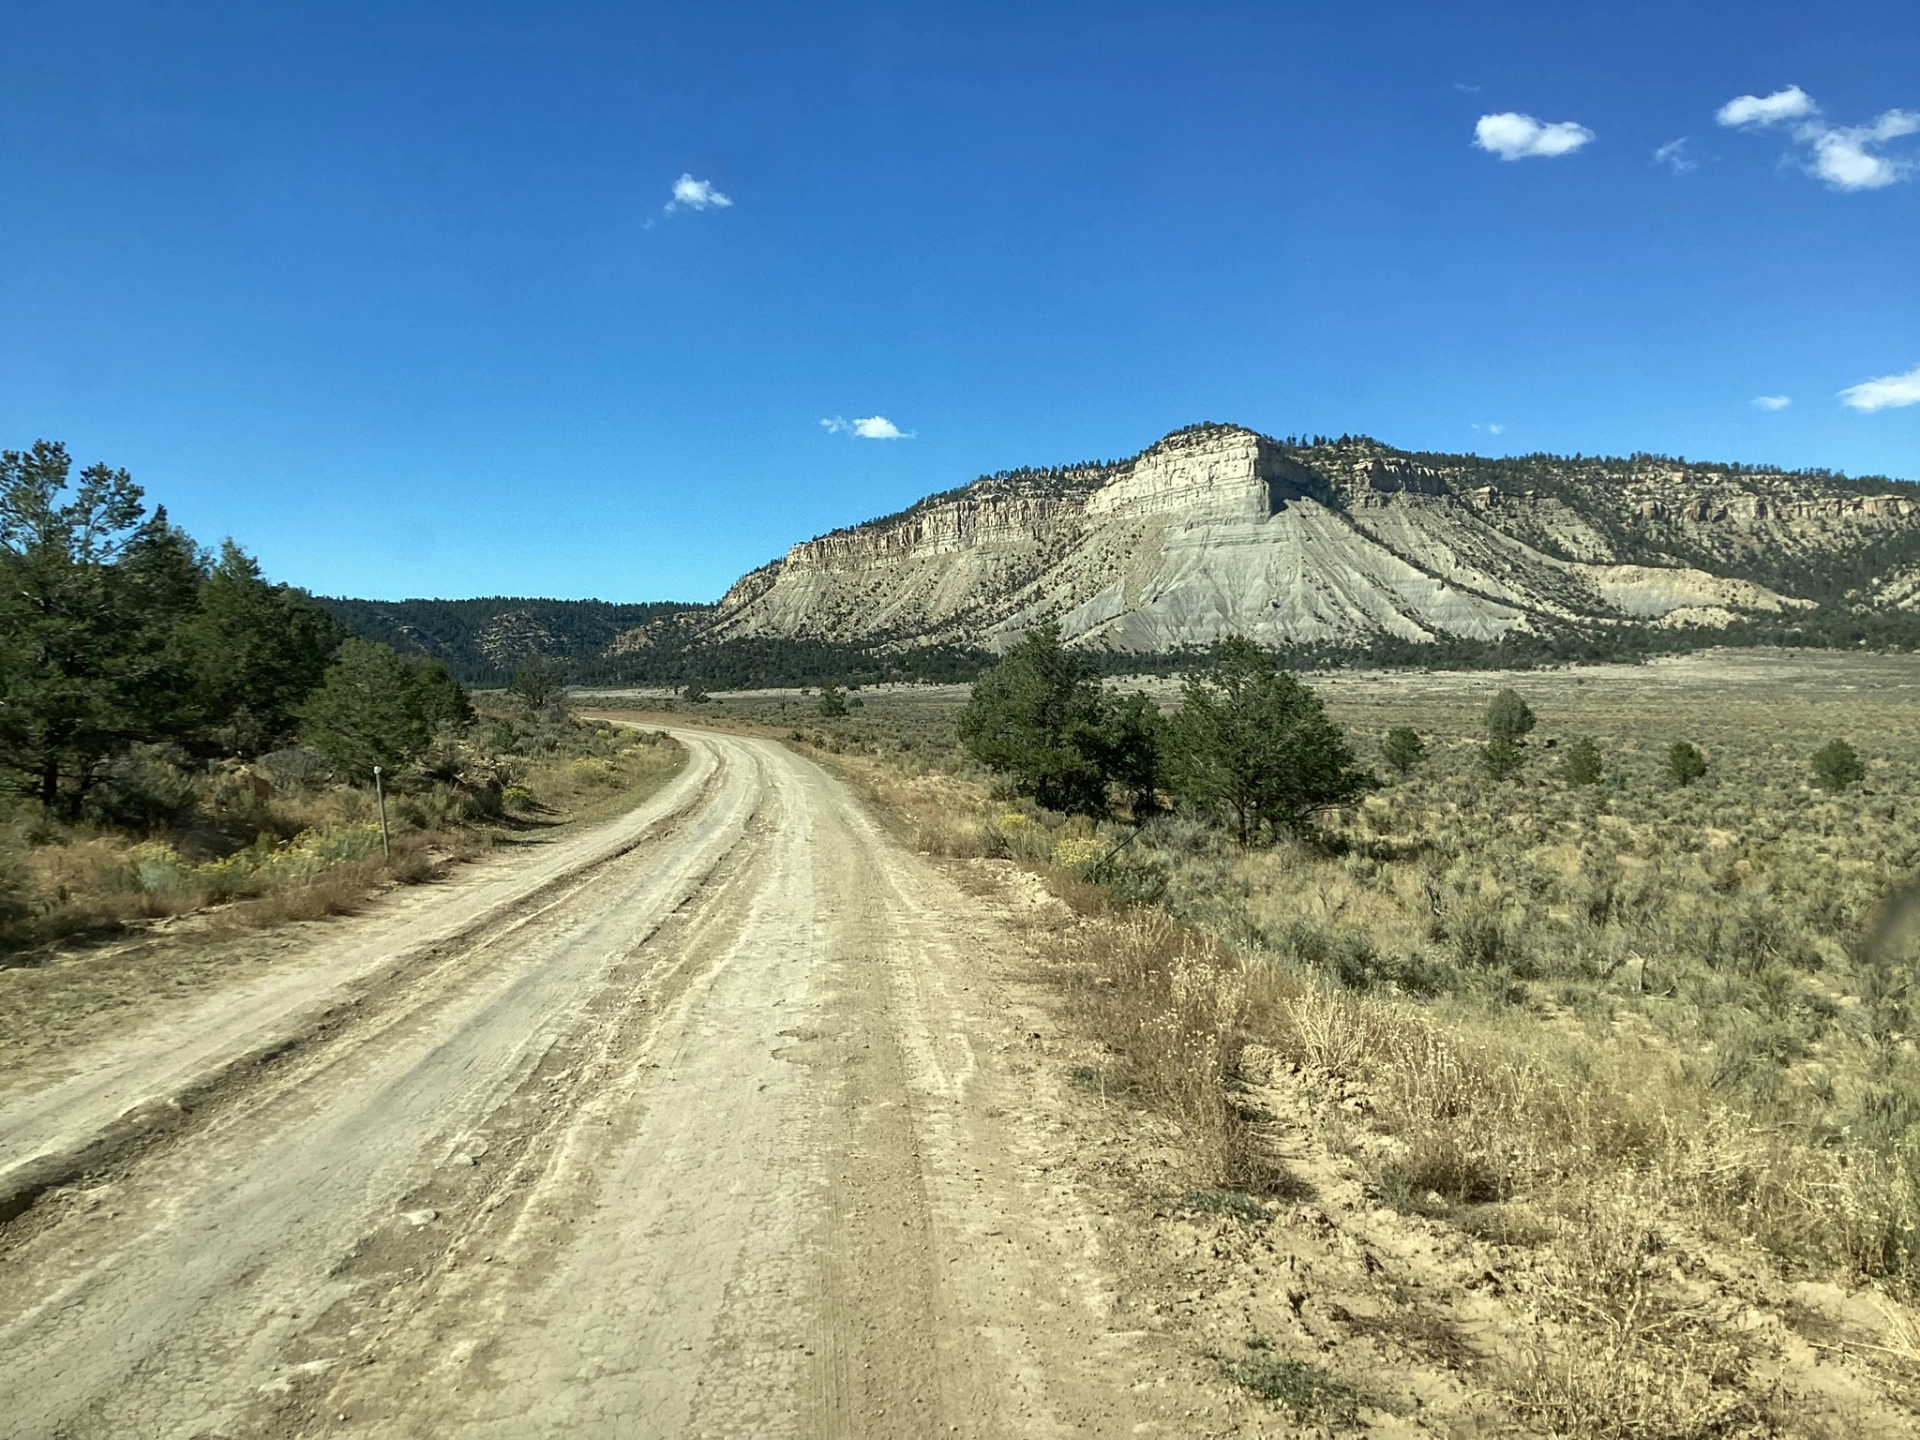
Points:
[[712, 1123]]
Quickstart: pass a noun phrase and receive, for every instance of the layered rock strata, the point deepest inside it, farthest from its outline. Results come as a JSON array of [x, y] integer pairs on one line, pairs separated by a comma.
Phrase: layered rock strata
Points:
[[1217, 530]]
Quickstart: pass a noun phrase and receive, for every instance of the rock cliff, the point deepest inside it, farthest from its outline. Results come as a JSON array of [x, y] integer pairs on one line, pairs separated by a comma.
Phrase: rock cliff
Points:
[[1216, 530]]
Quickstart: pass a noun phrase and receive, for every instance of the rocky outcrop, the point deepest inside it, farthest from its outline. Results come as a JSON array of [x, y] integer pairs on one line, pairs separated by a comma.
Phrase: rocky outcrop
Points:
[[1217, 530]]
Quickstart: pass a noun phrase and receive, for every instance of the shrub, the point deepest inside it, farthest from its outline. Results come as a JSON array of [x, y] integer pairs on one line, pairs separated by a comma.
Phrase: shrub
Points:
[[1403, 749], [1582, 764], [538, 680], [1502, 758], [1040, 718], [375, 708], [1685, 764], [832, 703], [1508, 717], [1253, 744], [1836, 767]]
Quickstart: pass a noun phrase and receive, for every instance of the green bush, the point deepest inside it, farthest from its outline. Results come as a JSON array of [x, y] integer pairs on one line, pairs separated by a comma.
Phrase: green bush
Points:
[[376, 708], [1040, 718], [1836, 767], [1582, 764], [1508, 717], [1685, 763], [1252, 744], [1403, 749], [1502, 758], [538, 680]]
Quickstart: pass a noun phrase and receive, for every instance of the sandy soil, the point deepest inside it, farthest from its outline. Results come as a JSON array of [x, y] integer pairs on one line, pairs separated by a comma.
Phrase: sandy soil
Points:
[[729, 1119]]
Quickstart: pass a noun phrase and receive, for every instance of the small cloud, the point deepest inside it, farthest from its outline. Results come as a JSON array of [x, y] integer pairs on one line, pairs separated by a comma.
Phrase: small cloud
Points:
[[1889, 392], [1754, 111], [872, 427], [1841, 155], [1466, 89], [1513, 136], [1674, 156], [1491, 428], [1841, 158], [696, 195], [1771, 402]]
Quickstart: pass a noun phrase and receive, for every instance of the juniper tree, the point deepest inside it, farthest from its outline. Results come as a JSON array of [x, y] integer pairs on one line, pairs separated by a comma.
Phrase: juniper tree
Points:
[[1685, 763], [537, 680], [1582, 764], [1403, 749], [1041, 718], [1836, 766], [376, 708], [1252, 744]]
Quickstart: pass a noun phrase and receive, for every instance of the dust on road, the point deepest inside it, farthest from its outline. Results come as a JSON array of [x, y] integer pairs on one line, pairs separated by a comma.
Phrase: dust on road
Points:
[[720, 1125]]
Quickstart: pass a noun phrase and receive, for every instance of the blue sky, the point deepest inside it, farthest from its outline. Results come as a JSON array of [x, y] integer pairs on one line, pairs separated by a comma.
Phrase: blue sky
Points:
[[391, 293]]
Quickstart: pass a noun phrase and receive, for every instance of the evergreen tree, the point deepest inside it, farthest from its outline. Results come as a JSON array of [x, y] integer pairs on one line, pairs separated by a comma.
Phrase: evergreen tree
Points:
[[1041, 717], [1508, 717], [1836, 767], [92, 590], [1251, 743], [1038, 717], [832, 703], [374, 708], [1582, 764], [255, 652], [1403, 749], [1685, 764], [537, 680]]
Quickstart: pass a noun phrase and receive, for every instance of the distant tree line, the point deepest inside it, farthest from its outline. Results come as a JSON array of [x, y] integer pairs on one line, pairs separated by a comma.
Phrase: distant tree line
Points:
[[1249, 746], [456, 632], [117, 630]]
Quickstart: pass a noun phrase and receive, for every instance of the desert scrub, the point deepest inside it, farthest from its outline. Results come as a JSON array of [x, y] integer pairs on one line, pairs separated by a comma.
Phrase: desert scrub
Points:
[[282, 838], [1545, 979]]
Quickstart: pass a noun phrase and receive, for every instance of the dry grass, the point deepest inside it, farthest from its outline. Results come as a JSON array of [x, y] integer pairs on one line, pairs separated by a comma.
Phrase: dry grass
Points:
[[302, 849], [1610, 1025]]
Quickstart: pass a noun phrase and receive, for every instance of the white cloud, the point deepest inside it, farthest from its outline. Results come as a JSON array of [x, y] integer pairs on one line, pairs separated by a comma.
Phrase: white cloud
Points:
[[1772, 402], [1513, 136], [1674, 156], [1490, 428], [871, 427], [1889, 392], [1841, 158], [1466, 89], [696, 195], [1841, 155], [1791, 103]]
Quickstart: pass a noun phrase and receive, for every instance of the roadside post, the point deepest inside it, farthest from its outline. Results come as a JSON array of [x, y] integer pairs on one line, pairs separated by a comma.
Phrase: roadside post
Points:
[[380, 794]]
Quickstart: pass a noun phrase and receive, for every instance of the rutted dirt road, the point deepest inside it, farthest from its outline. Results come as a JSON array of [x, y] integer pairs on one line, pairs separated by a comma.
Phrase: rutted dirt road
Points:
[[713, 1122]]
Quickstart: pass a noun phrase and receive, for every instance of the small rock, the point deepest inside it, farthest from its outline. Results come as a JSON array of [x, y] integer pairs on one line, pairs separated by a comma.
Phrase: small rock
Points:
[[420, 1217], [462, 1160]]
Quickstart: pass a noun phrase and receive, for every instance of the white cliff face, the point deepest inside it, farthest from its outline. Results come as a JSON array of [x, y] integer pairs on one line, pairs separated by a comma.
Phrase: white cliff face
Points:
[[1218, 531]]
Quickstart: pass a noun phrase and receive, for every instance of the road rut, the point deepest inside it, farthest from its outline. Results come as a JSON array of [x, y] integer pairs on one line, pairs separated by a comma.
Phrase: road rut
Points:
[[718, 1133]]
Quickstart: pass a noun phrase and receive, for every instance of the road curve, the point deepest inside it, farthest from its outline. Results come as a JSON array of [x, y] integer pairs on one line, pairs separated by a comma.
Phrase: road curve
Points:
[[702, 1130]]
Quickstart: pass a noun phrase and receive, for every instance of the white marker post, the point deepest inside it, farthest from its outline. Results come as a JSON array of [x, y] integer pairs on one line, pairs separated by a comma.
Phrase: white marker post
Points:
[[379, 794]]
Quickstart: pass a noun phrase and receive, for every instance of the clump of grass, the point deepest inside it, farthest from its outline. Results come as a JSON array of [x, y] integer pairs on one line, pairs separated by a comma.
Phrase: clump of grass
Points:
[[1624, 1389], [1252, 1209], [1308, 1393]]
